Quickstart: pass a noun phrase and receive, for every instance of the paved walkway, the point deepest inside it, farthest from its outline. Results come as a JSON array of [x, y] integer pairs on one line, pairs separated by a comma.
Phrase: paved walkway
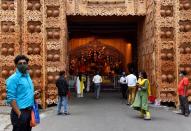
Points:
[[4, 117], [110, 113]]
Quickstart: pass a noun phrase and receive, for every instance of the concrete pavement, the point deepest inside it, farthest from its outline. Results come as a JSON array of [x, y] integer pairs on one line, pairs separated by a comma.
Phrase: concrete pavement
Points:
[[4, 121], [110, 114], [4, 117]]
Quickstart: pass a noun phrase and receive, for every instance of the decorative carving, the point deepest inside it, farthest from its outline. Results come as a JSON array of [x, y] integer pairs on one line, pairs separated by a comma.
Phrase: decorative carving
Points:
[[185, 48], [166, 11], [167, 33], [35, 71], [185, 67], [167, 54], [7, 5], [52, 77], [33, 5], [7, 26], [185, 4], [34, 26], [53, 11], [34, 48], [53, 55], [185, 26], [53, 33], [7, 49], [105, 1], [106, 8]]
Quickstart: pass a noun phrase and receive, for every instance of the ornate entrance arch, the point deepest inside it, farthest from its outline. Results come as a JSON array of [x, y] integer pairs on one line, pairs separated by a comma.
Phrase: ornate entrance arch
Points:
[[38, 29], [106, 7]]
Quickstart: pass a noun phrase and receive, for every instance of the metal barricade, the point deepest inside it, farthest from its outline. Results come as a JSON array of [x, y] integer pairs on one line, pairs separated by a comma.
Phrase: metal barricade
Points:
[[108, 83]]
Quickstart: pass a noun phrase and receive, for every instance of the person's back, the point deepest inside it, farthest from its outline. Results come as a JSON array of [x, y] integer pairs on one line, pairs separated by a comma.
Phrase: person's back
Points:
[[97, 79], [62, 86], [131, 80]]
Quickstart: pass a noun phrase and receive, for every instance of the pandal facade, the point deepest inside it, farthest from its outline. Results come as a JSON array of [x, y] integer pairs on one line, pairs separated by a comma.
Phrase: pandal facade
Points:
[[38, 29]]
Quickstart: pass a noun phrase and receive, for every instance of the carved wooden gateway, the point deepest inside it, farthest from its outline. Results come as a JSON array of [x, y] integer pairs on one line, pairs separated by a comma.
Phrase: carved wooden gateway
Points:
[[38, 29]]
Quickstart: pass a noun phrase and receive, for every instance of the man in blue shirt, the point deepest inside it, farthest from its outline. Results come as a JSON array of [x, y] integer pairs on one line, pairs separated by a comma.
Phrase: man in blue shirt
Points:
[[20, 95]]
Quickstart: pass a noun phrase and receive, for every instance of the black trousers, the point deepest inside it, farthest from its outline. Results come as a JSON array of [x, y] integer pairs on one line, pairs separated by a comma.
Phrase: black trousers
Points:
[[184, 106], [124, 90], [23, 122]]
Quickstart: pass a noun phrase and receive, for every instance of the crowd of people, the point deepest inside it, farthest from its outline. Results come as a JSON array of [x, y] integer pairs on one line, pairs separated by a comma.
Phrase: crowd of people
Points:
[[20, 93], [138, 91]]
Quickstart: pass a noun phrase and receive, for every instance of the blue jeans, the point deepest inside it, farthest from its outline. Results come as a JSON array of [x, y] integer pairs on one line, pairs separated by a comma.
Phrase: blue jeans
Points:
[[63, 101], [97, 87]]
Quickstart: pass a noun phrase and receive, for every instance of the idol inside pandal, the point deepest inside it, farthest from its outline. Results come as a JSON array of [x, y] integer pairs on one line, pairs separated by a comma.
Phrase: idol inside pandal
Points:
[[93, 60]]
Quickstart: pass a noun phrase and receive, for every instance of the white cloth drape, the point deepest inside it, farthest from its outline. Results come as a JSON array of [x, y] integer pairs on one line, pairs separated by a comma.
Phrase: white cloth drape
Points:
[[78, 85]]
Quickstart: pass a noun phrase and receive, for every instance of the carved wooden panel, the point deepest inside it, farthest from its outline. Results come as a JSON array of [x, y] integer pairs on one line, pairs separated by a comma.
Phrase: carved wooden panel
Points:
[[106, 7], [166, 47], [55, 23], [32, 44], [9, 42], [184, 37], [146, 58]]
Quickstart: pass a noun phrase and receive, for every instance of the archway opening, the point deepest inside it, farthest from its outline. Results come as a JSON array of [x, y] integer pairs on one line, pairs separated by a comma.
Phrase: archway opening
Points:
[[99, 54], [107, 44]]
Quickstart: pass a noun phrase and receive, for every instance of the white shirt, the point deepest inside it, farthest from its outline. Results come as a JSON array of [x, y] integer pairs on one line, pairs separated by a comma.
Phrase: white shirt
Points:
[[97, 79], [131, 80], [123, 80]]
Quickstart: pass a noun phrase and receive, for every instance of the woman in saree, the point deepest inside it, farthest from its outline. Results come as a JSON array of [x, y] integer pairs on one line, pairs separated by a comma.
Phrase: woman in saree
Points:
[[141, 99]]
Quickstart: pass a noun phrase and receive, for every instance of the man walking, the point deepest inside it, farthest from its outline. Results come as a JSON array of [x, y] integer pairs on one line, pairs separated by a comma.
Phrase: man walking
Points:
[[63, 90], [123, 86], [183, 93], [131, 81], [20, 95], [97, 80]]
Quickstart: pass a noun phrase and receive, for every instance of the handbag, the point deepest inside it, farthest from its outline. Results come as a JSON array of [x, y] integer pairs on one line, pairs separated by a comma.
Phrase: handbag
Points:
[[69, 94], [35, 117], [152, 99]]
